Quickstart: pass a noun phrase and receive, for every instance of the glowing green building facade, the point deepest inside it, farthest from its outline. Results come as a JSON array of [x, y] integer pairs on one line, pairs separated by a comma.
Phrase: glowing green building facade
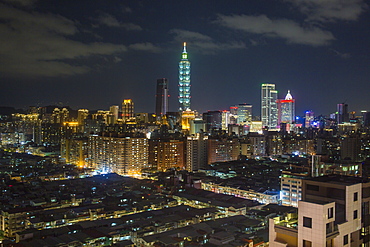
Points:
[[184, 81]]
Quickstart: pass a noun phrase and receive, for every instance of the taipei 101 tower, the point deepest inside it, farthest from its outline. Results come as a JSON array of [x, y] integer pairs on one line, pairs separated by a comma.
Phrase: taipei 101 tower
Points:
[[184, 81]]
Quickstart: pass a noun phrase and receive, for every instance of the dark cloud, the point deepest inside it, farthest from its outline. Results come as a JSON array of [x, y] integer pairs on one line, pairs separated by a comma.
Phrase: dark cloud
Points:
[[111, 21], [288, 30], [23, 3], [203, 42], [330, 10], [341, 54], [35, 44], [126, 9], [145, 47]]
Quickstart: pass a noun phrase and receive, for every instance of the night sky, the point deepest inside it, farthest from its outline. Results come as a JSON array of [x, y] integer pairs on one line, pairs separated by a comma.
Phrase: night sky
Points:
[[93, 54]]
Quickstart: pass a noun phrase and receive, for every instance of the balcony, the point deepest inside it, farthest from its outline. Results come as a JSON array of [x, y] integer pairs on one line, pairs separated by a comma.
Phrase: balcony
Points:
[[332, 232], [286, 230]]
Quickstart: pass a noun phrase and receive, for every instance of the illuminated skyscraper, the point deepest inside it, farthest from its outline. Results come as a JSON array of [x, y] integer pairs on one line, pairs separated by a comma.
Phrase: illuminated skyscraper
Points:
[[124, 155], [213, 120], [286, 109], [226, 115], [269, 114], [82, 115], [161, 97], [60, 115], [365, 118], [310, 116], [342, 113], [184, 81], [128, 110], [244, 113], [114, 109]]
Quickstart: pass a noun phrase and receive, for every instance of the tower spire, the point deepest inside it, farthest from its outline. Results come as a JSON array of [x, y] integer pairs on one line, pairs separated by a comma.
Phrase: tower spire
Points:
[[184, 53], [288, 96]]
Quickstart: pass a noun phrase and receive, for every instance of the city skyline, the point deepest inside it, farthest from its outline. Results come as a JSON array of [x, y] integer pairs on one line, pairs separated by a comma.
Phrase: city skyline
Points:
[[95, 56]]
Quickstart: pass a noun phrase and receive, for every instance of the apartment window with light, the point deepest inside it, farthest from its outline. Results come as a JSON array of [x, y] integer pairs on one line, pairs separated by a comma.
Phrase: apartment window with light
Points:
[[330, 213]]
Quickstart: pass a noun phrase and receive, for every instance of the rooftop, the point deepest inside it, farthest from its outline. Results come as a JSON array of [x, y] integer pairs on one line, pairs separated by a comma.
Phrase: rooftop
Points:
[[340, 179]]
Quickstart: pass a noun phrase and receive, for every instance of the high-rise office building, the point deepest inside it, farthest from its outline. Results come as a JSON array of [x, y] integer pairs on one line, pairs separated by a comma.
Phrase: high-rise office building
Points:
[[350, 149], [226, 115], [184, 81], [197, 126], [269, 114], [233, 114], [310, 116], [286, 109], [244, 113], [342, 113], [114, 109], [365, 118], [213, 120], [161, 97], [82, 114], [128, 110]]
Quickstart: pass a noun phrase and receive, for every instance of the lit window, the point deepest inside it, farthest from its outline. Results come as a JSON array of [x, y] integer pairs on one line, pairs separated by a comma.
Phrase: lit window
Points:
[[330, 213]]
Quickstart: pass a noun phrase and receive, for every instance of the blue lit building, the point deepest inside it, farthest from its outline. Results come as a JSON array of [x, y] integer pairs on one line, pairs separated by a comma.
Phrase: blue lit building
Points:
[[184, 81]]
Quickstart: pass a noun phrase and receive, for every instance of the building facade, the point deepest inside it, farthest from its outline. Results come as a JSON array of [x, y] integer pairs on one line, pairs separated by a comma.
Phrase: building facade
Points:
[[74, 151], [196, 152], [165, 154], [128, 110], [244, 114], [213, 120], [265, 197], [334, 211], [223, 149], [123, 155]]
